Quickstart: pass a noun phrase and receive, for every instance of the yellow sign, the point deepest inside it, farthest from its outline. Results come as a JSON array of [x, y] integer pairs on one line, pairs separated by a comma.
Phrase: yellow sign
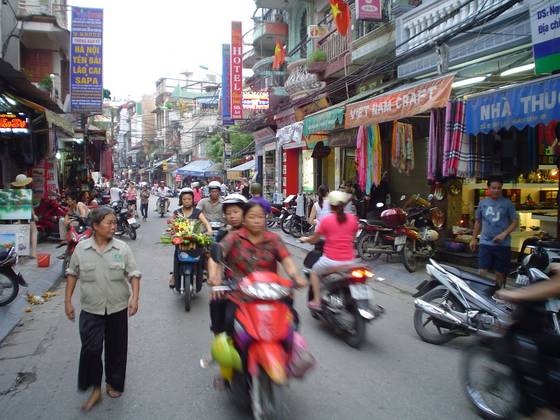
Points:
[[164, 166]]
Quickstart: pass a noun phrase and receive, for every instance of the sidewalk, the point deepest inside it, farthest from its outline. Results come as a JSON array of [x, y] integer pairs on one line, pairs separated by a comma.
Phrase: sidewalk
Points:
[[39, 280]]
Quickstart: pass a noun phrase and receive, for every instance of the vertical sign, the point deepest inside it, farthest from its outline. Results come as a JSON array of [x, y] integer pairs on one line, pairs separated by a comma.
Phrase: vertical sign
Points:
[[86, 60], [226, 94], [545, 30], [236, 76], [369, 10]]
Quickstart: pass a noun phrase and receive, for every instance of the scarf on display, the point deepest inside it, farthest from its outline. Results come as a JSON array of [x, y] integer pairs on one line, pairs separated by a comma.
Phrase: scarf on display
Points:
[[467, 157], [435, 149], [454, 132], [402, 148], [369, 156], [361, 156]]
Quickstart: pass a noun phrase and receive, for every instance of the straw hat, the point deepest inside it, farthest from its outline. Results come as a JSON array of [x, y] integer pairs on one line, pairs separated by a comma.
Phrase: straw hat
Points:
[[22, 180]]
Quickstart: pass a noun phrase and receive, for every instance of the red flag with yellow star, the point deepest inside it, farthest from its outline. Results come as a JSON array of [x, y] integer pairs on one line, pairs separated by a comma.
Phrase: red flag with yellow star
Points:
[[279, 56], [341, 16]]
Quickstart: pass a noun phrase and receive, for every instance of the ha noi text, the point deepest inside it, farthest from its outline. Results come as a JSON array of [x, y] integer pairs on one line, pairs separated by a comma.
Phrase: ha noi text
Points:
[[86, 65]]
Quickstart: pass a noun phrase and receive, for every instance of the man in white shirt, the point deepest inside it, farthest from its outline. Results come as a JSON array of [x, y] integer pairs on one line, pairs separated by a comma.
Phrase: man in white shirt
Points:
[[115, 193], [164, 192]]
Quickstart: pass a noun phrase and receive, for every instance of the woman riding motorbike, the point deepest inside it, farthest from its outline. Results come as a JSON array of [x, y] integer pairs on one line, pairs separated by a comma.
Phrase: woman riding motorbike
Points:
[[339, 229], [187, 211]]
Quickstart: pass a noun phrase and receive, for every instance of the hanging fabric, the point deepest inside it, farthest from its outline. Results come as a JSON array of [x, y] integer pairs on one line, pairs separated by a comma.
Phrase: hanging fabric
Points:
[[369, 157], [435, 149], [402, 148], [454, 132], [467, 157], [361, 146], [377, 156]]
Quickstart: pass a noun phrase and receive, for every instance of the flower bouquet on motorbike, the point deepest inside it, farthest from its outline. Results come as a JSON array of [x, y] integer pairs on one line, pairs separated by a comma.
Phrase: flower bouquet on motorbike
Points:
[[186, 234]]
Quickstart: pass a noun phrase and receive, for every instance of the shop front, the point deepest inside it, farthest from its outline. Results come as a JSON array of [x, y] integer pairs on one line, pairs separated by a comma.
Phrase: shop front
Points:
[[290, 144], [265, 156]]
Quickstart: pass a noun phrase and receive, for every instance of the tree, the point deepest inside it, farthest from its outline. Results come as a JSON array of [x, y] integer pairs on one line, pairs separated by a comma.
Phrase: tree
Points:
[[238, 139]]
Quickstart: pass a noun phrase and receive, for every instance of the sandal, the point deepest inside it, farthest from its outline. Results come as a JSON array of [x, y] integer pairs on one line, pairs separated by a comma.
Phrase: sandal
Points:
[[314, 306], [171, 282]]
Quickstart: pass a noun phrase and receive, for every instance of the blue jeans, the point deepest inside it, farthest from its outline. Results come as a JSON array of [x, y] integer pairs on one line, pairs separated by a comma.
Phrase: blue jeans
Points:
[[497, 258]]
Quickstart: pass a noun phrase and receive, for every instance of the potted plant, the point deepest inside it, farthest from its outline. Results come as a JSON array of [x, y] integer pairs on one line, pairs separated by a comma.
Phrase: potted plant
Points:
[[317, 62], [46, 83]]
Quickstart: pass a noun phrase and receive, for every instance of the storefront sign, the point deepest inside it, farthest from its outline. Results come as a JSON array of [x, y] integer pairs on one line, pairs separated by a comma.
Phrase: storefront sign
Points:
[[400, 103], [311, 108], [369, 10], [16, 235], [307, 171], [45, 179], [317, 31], [255, 100], [343, 138], [545, 31], [14, 124], [527, 104], [226, 98], [323, 121], [236, 76], [86, 60], [15, 204]]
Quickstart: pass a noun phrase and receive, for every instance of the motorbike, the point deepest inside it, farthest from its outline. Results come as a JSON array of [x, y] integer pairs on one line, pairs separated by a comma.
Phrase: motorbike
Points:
[[273, 219], [10, 281], [190, 274], [511, 364], [161, 204], [77, 231], [49, 212], [456, 303], [347, 301], [126, 222], [300, 226], [287, 214]]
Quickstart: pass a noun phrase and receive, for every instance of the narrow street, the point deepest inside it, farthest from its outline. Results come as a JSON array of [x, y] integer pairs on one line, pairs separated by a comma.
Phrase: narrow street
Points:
[[393, 376]]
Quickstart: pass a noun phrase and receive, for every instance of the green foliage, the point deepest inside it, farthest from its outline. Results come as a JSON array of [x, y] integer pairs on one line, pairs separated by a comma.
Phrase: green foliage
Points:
[[46, 82], [317, 56], [238, 139]]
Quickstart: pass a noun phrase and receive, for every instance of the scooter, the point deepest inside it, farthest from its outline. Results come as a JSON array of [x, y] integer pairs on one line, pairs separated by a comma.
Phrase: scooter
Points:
[[190, 274], [161, 204], [273, 219], [347, 301], [126, 221], [10, 281], [49, 212], [77, 231]]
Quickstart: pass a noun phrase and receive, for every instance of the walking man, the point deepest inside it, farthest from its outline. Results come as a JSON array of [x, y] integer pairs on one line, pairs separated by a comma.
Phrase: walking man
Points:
[[495, 220], [144, 200], [105, 266]]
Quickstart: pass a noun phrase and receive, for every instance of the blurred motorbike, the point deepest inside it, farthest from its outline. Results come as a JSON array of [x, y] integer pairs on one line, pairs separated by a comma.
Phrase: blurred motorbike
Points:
[[10, 281], [49, 212]]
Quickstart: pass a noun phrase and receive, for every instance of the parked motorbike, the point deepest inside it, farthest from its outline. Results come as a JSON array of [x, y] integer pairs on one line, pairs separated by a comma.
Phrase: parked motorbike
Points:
[[455, 303], [126, 222], [347, 302], [77, 231], [510, 364], [287, 214], [300, 226], [10, 281], [49, 212], [273, 219]]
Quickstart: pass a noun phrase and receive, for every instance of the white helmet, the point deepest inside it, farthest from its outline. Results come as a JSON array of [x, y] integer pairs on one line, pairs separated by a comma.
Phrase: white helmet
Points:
[[338, 198], [185, 191], [214, 184], [430, 235]]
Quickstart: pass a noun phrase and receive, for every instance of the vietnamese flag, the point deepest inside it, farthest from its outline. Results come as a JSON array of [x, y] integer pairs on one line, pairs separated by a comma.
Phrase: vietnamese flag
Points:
[[341, 16], [279, 56]]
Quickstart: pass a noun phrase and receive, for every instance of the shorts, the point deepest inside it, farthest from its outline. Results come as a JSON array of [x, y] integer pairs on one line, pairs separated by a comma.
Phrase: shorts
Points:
[[326, 266], [497, 258]]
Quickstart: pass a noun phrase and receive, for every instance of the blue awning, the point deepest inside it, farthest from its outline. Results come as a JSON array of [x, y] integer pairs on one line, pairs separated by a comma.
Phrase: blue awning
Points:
[[208, 100], [530, 103], [196, 168]]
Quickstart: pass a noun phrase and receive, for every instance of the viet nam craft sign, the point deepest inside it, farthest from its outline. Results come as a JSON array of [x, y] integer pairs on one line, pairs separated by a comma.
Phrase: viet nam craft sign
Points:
[[400, 103], [86, 60]]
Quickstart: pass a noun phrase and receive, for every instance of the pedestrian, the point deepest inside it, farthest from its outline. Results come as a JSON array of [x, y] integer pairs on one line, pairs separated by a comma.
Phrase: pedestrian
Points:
[[197, 193], [322, 207], [256, 196], [131, 196], [144, 201], [105, 266], [496, 218]]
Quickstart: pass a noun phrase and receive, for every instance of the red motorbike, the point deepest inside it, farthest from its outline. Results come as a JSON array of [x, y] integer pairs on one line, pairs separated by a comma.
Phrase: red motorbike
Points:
[[77, 231], [49, 212], [270, 350]]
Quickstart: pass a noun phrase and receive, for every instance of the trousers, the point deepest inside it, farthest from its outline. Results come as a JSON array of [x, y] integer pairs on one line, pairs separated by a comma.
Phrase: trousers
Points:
[[96, 330]]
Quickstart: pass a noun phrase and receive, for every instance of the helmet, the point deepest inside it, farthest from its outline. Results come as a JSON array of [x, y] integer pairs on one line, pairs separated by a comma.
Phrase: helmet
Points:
[[224, 352], [214, 184], [338, 198], [185, 191], [430, 235], [234, 199]]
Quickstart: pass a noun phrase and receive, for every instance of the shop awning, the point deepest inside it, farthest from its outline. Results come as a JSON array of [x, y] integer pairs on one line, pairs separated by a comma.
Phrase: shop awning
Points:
[[207, 100], [531, 103], [326, 120], [59, 121], [403, 102], [247, 166], [196, 168], [217, 169]]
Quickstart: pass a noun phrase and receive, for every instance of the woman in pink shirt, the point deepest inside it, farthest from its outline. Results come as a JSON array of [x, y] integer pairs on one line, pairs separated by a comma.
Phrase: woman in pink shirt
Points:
[[339, 230]]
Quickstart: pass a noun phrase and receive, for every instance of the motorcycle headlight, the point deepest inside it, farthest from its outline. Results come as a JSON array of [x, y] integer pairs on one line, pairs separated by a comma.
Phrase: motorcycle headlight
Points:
[[266, 291]]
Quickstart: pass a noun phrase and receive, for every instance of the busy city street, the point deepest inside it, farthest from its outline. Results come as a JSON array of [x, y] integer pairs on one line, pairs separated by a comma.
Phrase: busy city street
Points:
[[394, 374]]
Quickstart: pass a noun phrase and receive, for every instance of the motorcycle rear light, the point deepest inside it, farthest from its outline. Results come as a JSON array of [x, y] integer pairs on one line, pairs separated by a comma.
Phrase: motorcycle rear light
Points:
[[362, 274]]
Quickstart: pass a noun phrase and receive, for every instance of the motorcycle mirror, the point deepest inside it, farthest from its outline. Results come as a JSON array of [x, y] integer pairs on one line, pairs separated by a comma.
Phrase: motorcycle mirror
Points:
[[216, 253], [379, 205], [430, 197], [403, 197]]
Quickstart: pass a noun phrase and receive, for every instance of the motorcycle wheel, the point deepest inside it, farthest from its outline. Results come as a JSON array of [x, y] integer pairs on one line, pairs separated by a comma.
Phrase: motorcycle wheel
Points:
[[188, 294], [408, 257], [271, 400], [362, 248], [132, 233], [9, 289], [422, 320], [356, 337], [496, 395], [286, 225], [295, 230], [270, 221]]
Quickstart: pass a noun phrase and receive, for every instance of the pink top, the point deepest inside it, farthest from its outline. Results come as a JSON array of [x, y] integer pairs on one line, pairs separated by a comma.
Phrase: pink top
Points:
[[197, 195], [339, 237]]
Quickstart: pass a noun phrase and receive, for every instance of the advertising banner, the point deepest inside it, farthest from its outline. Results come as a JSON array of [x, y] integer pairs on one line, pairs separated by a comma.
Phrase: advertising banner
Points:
[[545, 31], [527, 104], [236, 77], [226, 98], [255, 100], [14, 124], [86, 60], [16, 235], [15, 204], [400, 103], [369, 10]]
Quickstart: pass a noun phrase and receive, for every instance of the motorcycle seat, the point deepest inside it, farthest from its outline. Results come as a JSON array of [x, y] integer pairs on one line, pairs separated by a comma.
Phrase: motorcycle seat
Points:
[[184, 257], [4, 253], [465, 275], [550, 244]]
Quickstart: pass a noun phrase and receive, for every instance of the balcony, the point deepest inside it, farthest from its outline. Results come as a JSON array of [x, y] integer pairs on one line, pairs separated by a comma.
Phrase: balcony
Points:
[[276, 4], [266, 34], [498, 36], [301, 82], [338, 51], [35, 9], [377, 43]]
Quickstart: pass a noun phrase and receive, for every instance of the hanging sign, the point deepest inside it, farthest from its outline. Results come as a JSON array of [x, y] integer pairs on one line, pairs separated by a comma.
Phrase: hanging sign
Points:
[[317, 31], [404, 102], [14, 124], [226, 98], [236, 76], [255, 100], [369, 10], [86, 60], [527, 104], [545, 31]]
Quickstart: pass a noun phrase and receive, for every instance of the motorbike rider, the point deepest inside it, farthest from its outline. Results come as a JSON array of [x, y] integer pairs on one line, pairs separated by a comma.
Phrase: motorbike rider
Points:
[[188, 211], [211, 206], [548, 344], [163, 192], [339, 229], [75, 209]]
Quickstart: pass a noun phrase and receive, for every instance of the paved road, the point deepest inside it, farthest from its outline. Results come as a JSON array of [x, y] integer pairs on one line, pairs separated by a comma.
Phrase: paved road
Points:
[[394, 375]]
